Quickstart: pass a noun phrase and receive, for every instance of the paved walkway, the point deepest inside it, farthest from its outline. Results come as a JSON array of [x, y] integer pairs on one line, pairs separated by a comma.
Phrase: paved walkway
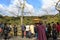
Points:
[[19, 38]]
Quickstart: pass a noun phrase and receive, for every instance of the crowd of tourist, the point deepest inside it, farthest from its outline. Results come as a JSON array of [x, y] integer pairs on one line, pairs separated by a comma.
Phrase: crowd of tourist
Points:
[[41, 31], [5, 29]]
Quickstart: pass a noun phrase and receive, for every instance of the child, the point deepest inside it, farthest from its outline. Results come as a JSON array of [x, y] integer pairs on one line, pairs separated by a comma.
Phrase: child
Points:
[[29, 34]]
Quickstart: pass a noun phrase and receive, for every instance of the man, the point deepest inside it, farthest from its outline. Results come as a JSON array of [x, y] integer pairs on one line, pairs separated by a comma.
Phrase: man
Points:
[[54, 32], [6, 31], [23, 30], [48, 31], [35, 30], [15, 30]]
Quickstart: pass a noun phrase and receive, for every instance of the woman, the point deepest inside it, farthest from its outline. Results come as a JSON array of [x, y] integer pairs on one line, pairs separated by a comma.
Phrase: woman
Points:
[[58, 27], [41, 31]]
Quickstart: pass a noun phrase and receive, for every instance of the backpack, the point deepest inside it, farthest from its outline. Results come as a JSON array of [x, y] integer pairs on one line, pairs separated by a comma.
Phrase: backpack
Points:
[[5, 31], [1, 30], [9, 28]]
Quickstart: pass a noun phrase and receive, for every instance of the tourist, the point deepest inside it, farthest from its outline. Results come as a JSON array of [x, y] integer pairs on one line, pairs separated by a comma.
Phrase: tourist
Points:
[[23, 28], [27, 31], [54, 32], [6, 31], [15, 30], [58, 27], [41, 31], [35, 30], [32, 29], [48, 31]]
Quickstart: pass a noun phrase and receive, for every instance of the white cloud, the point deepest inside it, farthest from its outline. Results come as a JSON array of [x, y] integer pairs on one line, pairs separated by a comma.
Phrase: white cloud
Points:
[[15, 4], [48, 3], [14, 7], [1, 7], [48, 8], [30, 9]]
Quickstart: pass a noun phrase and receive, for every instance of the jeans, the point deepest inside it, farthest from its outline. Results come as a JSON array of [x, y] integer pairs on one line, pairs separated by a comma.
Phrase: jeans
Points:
[[22, 34], [27, 34]]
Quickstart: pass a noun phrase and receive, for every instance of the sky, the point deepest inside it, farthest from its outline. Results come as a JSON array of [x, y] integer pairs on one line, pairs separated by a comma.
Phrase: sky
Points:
[[32, 7], [5, 2], [36, 3]]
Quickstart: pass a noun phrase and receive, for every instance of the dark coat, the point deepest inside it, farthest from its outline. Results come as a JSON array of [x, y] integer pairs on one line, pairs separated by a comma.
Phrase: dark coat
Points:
[[54, 34], [35, 29], [15, 29], [23, 28], [6, 30]]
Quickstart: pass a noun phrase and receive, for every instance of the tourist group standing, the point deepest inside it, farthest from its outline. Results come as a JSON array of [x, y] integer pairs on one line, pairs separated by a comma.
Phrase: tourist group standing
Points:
[[5, 29], [42, 31]]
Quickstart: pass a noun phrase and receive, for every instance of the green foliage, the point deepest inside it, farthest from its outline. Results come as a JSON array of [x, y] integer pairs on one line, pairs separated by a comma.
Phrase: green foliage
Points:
[[29, 20]]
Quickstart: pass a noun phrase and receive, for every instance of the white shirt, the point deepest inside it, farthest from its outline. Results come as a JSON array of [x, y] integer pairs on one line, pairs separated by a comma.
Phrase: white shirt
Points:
[[32, 29], [27, 27]]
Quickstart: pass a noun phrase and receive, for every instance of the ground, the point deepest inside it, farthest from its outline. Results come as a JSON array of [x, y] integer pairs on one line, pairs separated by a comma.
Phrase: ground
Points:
[[19, 38]]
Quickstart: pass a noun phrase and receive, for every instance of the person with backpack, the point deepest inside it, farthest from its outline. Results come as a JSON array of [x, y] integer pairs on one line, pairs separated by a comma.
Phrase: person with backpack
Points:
[[6, 31]]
